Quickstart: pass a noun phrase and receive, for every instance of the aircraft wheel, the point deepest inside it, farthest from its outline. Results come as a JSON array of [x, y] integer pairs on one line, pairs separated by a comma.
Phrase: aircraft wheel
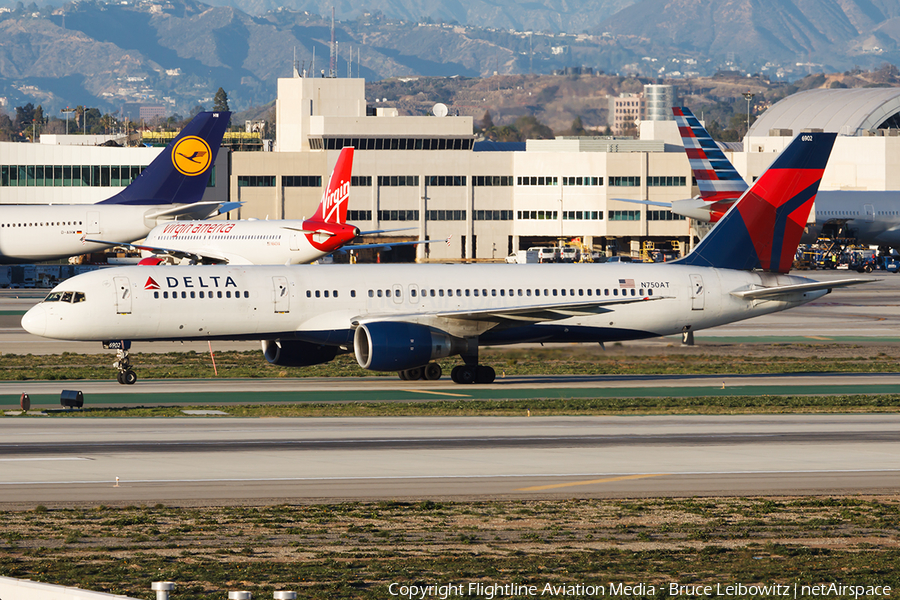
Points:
[[119, 377], [467, 375], [129, 377], [433, 371], [402, 375], [414, 374], [485, 374], [454, 374]]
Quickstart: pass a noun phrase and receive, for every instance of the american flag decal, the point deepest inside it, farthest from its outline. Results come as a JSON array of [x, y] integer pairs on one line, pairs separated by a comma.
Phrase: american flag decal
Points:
[[626, 283]]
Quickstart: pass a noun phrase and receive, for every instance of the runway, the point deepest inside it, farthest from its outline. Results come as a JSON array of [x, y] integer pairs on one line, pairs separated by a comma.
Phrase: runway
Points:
[[214, 461]]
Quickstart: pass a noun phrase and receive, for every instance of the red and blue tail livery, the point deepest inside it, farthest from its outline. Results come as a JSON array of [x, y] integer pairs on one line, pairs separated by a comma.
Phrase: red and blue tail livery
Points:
[[762, 229]]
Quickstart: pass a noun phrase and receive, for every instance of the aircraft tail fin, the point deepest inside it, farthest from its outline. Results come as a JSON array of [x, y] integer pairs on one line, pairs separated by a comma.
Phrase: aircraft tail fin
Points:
[[716, 176], [333, 207], [762, 229], [179, 175]]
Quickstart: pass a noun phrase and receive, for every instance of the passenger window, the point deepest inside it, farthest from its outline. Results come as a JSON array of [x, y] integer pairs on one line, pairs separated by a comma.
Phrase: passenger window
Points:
[[571, 292], [520, 292], [156, 294], [528, 292], [219, 294], [502, 292], [649, 292], [380, 293], [605, 293], [633, 292], [615, 292], [227, 294], [440, 293], [318, 294], [589, 291], [333, 294], [494, 292], [184, 294], [484, 292], [563, 292], [467, 293], [165, 294], [387, 293], [432, 293], [459, 292], [412, 292], [353, 293], [193, 295], [371, 294], [554, 292]]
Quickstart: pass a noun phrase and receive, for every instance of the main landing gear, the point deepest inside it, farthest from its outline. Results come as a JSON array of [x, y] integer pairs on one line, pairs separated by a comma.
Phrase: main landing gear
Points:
[[473, 374], [431, 372], [125, 375]]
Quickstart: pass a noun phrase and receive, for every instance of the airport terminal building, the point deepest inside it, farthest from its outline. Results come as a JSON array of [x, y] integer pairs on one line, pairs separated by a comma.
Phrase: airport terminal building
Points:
[[427, 177]]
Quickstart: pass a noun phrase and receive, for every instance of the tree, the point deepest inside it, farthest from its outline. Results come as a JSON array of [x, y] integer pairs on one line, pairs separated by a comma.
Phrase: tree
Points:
[[220, 101], [531, 129], [196, 110], [487, 122], [24, 116]]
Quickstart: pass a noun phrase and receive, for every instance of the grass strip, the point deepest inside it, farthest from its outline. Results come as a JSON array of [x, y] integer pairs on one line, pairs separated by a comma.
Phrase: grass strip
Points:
[[749, 404], [357, 549]]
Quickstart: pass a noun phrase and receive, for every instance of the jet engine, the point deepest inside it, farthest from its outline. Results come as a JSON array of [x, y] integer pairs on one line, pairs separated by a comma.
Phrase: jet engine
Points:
[[295, 353], [397, 346]]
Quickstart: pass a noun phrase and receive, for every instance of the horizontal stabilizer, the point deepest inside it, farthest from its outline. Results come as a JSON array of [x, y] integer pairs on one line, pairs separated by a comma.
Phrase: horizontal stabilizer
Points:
[[644, 202], [388, 245], [772, 293], [193, 211]]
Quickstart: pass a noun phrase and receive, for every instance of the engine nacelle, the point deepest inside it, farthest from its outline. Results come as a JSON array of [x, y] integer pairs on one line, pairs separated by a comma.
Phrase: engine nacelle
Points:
[[296, 353], [396, 346]]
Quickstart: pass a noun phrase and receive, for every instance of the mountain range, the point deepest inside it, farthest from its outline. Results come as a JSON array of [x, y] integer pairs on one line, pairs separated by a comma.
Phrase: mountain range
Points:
[[176, 53]]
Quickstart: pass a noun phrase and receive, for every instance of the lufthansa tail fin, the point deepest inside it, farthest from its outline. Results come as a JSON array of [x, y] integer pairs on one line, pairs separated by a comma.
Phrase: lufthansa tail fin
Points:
[[333, 207], [179, 175], [763, 228]]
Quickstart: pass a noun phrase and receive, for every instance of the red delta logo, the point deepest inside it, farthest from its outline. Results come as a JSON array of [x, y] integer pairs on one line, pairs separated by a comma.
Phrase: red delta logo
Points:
[[151, 285]]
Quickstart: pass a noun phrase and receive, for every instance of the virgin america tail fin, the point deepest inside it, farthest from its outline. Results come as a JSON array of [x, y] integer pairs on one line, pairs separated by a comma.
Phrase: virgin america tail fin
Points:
[[333, 208], [763, 228]]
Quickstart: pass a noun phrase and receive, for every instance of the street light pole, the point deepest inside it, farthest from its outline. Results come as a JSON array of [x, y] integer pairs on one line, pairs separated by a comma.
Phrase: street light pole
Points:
[[748, 96]]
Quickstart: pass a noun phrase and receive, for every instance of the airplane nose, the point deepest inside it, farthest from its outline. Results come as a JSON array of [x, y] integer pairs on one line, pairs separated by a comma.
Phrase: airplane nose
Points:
[[35, 320]]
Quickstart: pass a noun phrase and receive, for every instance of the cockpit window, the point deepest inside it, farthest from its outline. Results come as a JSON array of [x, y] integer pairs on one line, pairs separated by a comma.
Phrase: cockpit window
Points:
[[73, 297]]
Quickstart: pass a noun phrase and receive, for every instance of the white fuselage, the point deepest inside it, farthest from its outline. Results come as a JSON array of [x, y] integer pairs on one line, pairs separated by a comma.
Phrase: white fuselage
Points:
[[324, 303], [245, 242], [33, 233]]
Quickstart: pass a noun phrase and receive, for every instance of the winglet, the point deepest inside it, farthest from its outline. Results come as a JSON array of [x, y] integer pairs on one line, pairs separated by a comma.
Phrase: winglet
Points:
[[763, 228], [180, 173], [333, 207]]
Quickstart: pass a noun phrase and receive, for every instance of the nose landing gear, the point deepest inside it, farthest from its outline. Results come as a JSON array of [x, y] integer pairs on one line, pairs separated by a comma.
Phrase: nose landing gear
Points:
[[126, 375]]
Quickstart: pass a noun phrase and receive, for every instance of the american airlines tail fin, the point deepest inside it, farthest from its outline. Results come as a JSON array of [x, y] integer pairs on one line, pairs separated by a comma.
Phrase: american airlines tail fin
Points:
[[763, 228], [716, 176], [179, 175], [333, 207]]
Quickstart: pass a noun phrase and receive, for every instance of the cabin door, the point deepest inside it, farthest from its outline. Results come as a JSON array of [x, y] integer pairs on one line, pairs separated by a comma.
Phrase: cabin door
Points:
[[282, 295], [123, 295], [697, 292]]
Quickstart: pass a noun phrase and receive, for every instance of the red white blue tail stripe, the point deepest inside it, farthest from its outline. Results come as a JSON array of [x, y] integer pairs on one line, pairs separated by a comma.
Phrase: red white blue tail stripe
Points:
[[716, 176]]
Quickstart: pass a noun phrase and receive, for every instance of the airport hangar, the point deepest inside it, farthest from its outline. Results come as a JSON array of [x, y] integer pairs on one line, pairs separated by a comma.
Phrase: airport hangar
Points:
[[429, 174]]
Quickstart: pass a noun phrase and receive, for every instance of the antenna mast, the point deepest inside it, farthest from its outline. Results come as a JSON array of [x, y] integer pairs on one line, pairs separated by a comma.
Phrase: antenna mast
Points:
[[331, 65]]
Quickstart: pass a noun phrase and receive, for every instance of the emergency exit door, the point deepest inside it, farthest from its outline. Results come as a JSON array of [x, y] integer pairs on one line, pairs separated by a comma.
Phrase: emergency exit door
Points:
[[697, 292]]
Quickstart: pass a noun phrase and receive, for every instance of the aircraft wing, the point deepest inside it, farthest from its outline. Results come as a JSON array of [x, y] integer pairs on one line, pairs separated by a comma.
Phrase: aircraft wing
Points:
[[387, 245], [196, 210], [772, 293], [195, 256], [518, 314]]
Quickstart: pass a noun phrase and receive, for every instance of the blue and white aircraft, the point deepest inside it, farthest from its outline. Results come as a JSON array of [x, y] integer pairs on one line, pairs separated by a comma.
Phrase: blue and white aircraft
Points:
[[171, 186]]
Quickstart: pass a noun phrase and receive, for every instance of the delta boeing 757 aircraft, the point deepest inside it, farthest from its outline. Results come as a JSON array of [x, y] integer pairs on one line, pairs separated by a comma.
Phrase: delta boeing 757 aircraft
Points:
[[171, 186], [403, 317]]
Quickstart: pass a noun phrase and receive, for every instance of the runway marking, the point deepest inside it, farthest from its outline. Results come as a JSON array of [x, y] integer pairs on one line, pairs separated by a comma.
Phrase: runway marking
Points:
[[42, 458], [819, 337], [459, 477], [436, 393], [538, 488]]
